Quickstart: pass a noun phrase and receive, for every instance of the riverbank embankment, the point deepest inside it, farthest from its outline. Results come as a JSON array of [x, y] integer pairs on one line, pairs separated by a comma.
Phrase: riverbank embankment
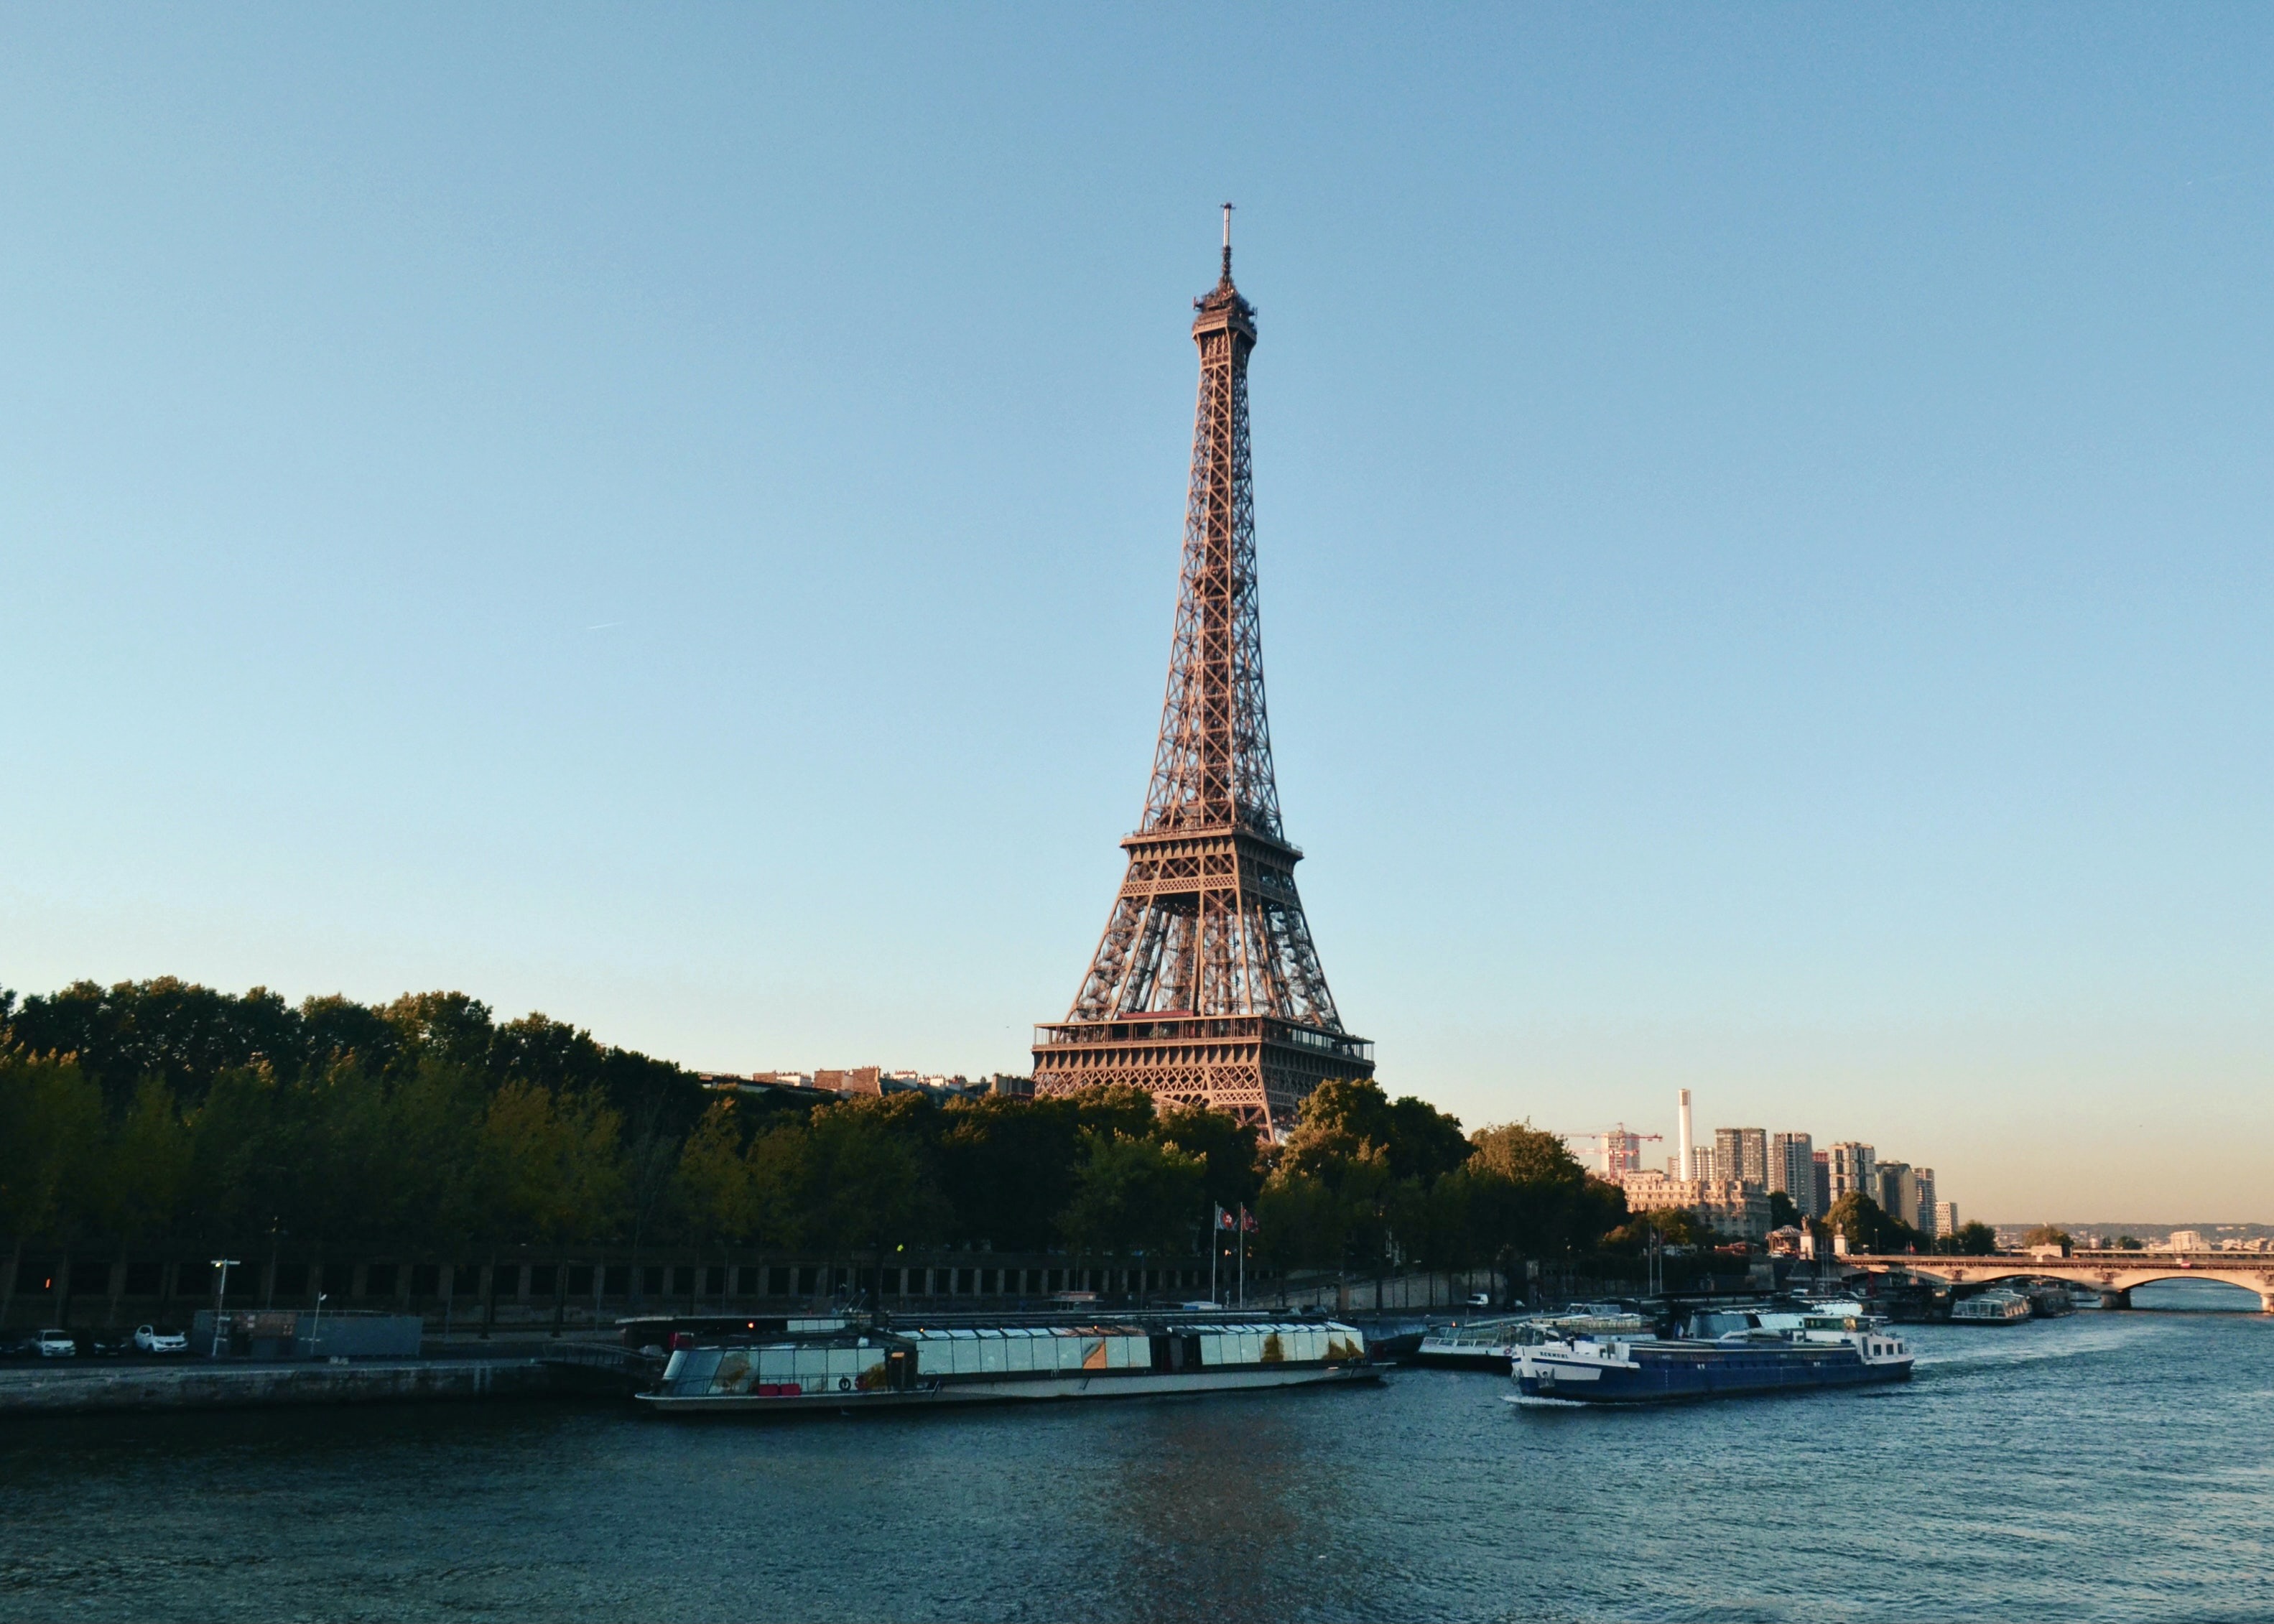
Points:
[[79, 1389]]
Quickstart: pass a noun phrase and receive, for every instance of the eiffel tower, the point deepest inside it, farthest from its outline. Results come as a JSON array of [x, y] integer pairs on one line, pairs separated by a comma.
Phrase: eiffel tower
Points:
[[1205, 988]]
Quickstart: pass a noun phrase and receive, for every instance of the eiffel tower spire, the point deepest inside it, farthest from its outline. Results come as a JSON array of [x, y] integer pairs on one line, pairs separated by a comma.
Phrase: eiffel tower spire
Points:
[[1205, 988]]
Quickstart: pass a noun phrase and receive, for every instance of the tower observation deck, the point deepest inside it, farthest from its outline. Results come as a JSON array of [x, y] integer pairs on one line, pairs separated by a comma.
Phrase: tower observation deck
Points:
[[1205, 988]]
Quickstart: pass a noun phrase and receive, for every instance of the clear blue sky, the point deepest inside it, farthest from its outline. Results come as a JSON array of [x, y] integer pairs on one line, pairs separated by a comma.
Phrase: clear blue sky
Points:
[[669, 515]]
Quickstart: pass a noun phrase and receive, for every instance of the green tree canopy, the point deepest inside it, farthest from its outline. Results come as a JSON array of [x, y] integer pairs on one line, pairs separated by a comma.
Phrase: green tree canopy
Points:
[[162, 1108], [870, 1178], [1418, 1141], [51, 1133], [1230, 1150], [1870, 1229], [1672, 1226], [1973, 1240], [1008, 1167], [1530, 1197], [1133, 1194]]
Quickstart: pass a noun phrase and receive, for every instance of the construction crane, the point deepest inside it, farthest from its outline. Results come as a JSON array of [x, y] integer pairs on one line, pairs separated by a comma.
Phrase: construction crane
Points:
[[1620, 1148]]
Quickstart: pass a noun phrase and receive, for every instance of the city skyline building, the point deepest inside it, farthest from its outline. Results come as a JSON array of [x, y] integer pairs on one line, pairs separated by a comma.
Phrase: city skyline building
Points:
[[1732, 1209], [1792, 1170], [1852, 1167], [1742, 1153], [1789, 1162], [1919, 1198], [1621, 1153], [1886, 1188], [1205, 988]]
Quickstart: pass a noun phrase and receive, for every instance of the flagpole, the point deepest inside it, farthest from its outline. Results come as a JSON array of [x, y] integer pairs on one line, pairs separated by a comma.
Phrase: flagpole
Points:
[[1212, 1250], [1243, 1254]]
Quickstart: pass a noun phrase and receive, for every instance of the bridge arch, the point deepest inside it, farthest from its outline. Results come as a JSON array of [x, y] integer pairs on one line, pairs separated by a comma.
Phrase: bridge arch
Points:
[[2114, 1273]]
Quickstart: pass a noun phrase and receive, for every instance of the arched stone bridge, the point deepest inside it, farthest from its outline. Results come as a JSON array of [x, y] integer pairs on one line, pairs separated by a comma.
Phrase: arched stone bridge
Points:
[[2112, 1273]]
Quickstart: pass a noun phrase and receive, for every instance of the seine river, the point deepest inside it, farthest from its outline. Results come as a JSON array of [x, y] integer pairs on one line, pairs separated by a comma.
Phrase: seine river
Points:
[[2106, 1466]]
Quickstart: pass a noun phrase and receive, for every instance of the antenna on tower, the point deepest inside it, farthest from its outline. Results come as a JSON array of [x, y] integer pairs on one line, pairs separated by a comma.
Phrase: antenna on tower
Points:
[[1227, 242]]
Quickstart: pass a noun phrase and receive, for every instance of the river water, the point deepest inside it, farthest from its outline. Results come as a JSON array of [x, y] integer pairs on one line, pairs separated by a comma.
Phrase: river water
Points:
[[2105, 1466]]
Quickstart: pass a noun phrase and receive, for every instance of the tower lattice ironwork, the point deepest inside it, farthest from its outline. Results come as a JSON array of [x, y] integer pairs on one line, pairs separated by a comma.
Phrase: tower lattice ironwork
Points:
[[1206, 988]]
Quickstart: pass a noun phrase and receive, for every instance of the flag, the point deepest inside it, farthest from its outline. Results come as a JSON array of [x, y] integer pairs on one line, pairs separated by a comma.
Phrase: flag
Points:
[[1223, 1219], [1247, 1222]]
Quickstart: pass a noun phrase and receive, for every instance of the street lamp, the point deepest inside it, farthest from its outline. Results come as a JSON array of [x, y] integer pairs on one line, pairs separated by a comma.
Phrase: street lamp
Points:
[[220, 1300], [316, 1335]]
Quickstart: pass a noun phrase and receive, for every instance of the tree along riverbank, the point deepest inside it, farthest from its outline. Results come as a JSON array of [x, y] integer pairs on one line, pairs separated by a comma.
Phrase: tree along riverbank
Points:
[[163, 1122]]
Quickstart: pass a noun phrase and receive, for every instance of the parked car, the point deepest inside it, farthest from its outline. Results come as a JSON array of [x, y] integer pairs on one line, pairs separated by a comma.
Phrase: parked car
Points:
[[1478, 1299], [55, 1344], [149, 1338]]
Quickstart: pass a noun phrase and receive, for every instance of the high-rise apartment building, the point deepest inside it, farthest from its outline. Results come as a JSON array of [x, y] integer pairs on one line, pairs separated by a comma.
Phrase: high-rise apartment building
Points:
[[1945, 1217], [1820, 1175], [1853, 1168], [1886, 1188], [1918, 1197], [1703, 1164], [1742, 1153], [1792, 1168]]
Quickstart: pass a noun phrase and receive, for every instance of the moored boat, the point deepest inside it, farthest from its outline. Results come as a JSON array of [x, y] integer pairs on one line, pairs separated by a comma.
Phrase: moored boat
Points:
[[864, 1366], [1477, 1344], [1818, 1314], [1993, 1307], [1595, 1319], [1489, 1344], [1620, 1370]]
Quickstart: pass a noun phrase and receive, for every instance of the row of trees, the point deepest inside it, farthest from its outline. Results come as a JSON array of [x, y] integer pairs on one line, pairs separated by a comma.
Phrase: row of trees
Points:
[[1870, 1227], [162, 1110]]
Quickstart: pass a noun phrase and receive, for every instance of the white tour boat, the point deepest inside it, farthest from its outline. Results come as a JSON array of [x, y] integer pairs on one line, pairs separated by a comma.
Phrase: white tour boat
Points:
[[1991, 1308], [856, 1366]]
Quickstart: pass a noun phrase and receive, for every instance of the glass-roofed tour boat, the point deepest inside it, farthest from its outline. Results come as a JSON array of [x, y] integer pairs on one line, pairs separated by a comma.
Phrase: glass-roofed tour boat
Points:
[[856, 1362]]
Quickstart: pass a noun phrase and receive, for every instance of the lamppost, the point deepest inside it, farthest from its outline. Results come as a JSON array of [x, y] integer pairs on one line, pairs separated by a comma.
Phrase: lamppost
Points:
[[221, 1301], [1244, 1222], [316, 1332]]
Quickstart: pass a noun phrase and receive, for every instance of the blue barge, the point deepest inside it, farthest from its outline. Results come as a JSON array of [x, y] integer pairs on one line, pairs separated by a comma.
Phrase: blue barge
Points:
[[1644, 1371]]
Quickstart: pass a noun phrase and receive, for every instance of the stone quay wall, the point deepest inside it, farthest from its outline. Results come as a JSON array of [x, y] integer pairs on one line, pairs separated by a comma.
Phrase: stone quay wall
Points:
[[525, 1289]]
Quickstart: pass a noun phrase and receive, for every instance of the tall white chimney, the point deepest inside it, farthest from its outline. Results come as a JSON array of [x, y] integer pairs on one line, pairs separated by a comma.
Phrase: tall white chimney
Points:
[[1689, 1160]]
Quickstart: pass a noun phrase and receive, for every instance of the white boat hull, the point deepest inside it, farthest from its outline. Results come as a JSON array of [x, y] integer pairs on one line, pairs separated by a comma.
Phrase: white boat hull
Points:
[[1017, 1389]]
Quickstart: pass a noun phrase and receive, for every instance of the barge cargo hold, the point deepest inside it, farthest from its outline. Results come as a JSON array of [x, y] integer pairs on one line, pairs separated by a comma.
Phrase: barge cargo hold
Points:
[[868, 1367]]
